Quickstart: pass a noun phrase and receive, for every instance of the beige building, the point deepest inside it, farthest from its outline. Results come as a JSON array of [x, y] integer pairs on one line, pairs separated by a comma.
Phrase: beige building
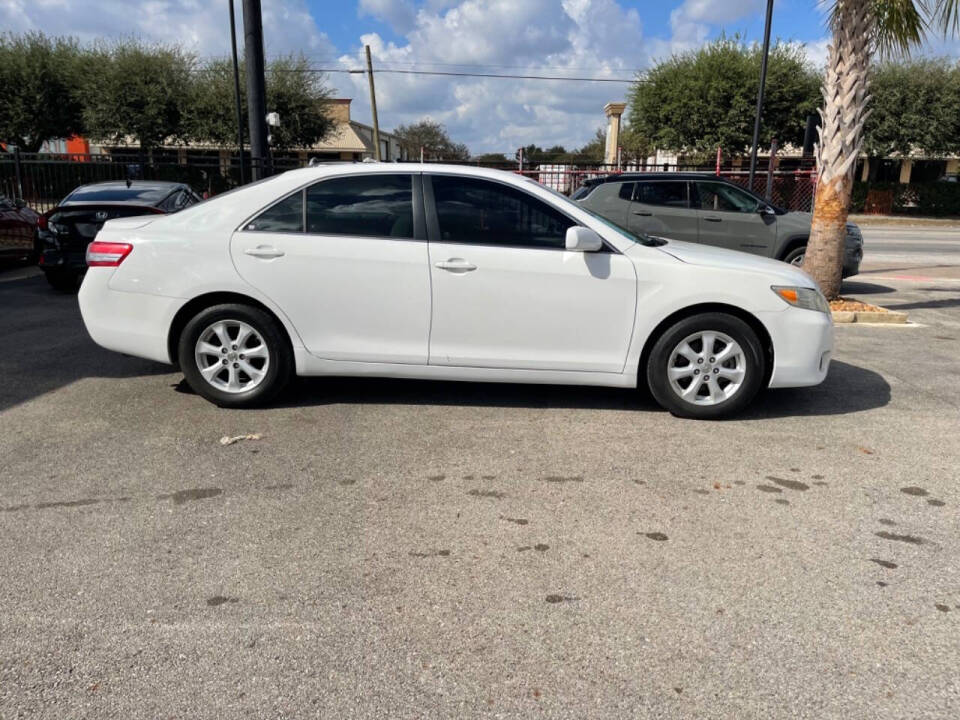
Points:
[[349, 140]]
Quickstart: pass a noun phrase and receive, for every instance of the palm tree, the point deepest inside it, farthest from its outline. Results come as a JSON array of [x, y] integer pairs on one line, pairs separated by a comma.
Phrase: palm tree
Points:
[[860, 28]]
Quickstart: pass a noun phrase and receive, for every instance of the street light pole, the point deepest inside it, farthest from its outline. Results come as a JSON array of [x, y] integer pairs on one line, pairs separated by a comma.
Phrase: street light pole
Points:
[[236, 91], [763, 82], [256, 88]]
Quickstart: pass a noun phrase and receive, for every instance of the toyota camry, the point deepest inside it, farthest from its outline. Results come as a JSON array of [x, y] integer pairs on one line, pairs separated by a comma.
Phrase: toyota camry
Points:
[[446, 272]]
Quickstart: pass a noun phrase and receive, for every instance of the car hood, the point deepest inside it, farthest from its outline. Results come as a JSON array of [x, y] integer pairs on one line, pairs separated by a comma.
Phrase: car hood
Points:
[[708, 256]]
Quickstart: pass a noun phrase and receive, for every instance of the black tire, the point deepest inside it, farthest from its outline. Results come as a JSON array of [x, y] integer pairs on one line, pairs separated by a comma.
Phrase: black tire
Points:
[[659, 359], [64, 281], [279, 368], [797, 252]]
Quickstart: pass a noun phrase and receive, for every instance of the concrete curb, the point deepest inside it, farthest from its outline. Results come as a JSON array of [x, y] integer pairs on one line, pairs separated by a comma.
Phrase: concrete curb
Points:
[[887, 318]]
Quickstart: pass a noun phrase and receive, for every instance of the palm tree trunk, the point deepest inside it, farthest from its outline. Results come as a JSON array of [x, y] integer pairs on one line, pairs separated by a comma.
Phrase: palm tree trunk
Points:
[[845, 98]]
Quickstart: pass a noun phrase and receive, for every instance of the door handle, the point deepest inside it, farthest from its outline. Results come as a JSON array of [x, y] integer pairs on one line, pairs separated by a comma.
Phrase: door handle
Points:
[[456, 265], [713, 219], [643, 213], [264, 251]]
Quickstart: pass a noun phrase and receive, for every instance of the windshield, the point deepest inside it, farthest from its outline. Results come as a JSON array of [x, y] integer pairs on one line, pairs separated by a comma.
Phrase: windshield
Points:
[[642, 239]]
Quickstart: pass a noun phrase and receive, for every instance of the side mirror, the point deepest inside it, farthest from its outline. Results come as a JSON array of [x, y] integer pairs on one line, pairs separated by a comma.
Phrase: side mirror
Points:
[[19, 203], [583, 239], [766, 210]]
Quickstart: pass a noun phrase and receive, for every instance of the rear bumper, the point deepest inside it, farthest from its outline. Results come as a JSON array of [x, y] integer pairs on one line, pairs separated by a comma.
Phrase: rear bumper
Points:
[[131, 323], [802, 346], [62, 262]]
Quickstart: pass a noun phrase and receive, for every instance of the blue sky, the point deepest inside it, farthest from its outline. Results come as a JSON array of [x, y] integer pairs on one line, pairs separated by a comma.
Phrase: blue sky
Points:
[[594, 38]]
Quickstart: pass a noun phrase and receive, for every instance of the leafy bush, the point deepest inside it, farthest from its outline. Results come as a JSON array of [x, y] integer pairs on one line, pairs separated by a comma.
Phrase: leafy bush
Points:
[[936, 199]]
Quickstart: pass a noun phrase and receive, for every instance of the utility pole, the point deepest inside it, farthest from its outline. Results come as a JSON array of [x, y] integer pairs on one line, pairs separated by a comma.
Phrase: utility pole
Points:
[[256, 88], [236, 91], [373, 105], [763, 82]]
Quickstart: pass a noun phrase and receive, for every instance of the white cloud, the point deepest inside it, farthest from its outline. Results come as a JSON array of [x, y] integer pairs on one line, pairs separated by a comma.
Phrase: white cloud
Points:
[[595, 38], [199, 25], [398, 14], [691, 22]]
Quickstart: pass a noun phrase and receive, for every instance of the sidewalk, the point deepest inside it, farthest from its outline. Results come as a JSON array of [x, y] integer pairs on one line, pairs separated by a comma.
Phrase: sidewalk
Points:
[[903, 221]]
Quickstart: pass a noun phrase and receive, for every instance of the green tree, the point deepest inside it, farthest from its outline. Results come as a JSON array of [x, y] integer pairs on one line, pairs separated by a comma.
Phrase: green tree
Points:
[[300, 97], [37, 76], [594, 150], [136, 92], [703, 98], [297, 94], [493, 158], [859, 28], [433, 138], [916, 106], [211, 115]]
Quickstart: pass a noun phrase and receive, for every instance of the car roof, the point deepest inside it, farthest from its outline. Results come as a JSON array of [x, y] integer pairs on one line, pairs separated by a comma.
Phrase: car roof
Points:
[[653, 175]]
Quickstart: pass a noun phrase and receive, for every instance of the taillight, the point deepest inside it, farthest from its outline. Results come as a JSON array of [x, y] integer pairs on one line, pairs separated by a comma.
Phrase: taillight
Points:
[[42, 222], [107, 254]]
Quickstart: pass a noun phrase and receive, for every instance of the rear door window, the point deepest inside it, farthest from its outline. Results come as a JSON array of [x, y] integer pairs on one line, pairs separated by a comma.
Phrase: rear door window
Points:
[[669, 194], [626, 191], [284, 216], [725, 198], [362, 205]]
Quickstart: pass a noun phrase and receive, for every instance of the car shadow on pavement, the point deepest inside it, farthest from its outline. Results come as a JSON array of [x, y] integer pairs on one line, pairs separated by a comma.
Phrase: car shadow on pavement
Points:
[[926, 304], [46, 346], [853, 287], [847, 389]]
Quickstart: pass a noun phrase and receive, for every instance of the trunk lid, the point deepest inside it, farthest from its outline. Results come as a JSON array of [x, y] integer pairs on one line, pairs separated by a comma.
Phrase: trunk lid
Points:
[[75, 226]]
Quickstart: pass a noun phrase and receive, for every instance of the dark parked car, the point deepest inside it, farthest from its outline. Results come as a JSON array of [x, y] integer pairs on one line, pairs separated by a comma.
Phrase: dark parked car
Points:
[[18, 230], [707, 209], [65, 231]]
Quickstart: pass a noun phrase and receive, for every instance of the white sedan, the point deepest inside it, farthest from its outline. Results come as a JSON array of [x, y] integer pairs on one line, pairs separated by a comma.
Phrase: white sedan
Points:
[[447, 272]]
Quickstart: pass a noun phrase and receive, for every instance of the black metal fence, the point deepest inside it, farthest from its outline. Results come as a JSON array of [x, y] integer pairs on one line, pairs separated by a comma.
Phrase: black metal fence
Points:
[[43, 179]]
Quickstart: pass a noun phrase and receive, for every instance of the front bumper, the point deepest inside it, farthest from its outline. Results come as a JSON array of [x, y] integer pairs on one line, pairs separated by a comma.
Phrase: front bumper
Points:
[[131, 323], [852, 251], [802, 346]]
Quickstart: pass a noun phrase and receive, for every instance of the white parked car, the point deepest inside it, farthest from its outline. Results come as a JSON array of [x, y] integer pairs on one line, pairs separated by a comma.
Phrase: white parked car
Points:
[[447, 272]]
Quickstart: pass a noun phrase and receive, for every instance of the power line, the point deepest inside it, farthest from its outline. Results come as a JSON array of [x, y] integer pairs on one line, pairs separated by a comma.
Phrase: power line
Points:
[[425, 63], [463, 74]]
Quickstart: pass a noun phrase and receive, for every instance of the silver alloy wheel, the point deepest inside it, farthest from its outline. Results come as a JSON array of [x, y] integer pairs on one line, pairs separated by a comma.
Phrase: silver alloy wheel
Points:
[[707, 368], [798, 260], [232, 356]]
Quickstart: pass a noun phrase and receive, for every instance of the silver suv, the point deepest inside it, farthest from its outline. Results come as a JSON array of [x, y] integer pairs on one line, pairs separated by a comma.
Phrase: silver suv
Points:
[[710, 210]]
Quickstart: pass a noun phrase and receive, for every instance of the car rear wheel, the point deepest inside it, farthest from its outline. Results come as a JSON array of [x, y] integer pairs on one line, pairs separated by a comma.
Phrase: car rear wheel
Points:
[[706, 366], [795, 256], [235, 355]]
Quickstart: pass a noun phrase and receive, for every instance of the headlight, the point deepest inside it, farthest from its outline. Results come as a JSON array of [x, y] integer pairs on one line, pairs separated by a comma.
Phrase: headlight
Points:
[[802, 297]]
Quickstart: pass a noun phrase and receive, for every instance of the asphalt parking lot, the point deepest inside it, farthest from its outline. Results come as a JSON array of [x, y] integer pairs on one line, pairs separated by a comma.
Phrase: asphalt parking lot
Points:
[[410, 549]]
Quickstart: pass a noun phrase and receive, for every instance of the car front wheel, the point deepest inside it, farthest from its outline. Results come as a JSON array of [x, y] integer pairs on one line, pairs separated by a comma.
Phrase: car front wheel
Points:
[[706, 366], [235, 355]]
